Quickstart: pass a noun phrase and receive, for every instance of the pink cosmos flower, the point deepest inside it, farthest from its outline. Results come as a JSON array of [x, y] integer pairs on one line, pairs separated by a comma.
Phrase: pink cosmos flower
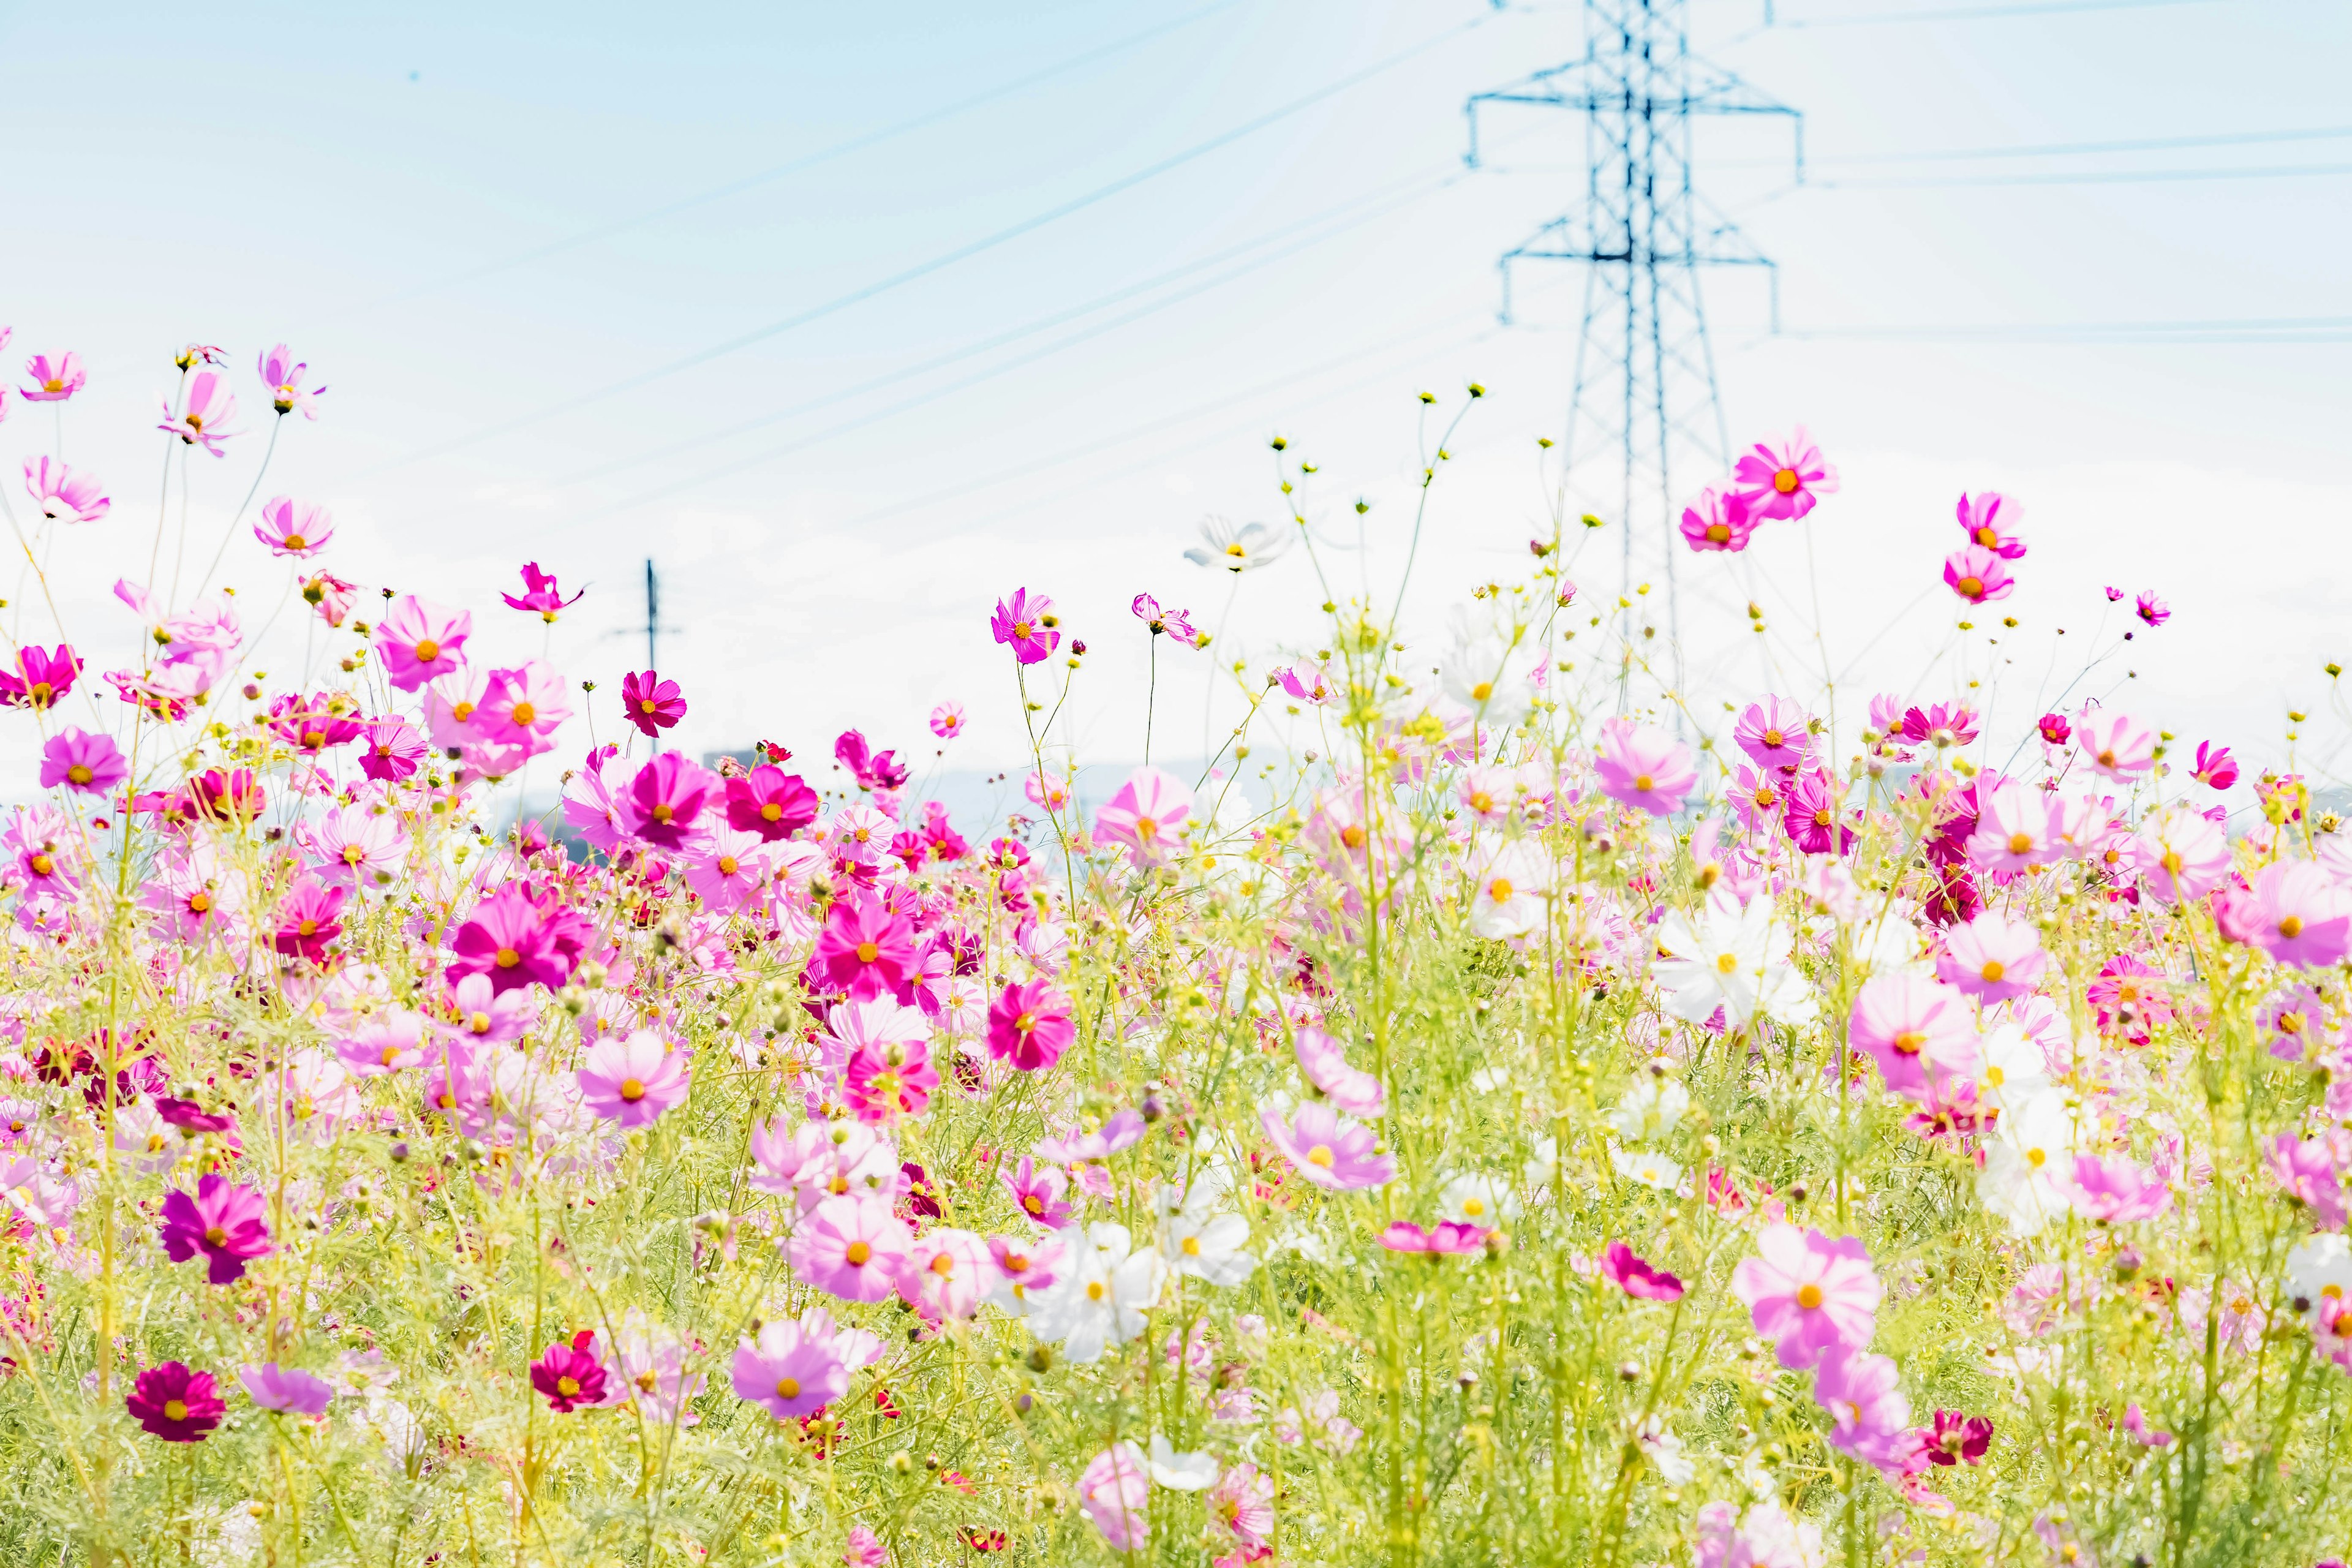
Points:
[[866, 951], [1330, 1150], [1912, 1027], [2113, 1190], [1630, 1274], [1452, 1237], [947, 721], [2311, 1170], [285, 1389], [53, 380], [203, 420], [1176, 624], [392, 750], [90, 764], [1038, 1190], [175, 1402], [2152, 610], [2180, 853], [728, 870], [331, 595], [1242, 1502], [63, 494], [1992, 958], [1313, 687], [1958, 1439], [884, 1083], [1810, 816], [41, 676], [651, 704], [865, 1549], [1642, 765], [1869, 1417], [665, 800], [2055, 729], [1323, 1062], [1027, 625], [308, 918], [541, 594], [222, 1222], [1775, 733], [294, 527], [2300, 915], [1789, 482], [2016, 826], [852, 1248], [1977, 576], [2119, 746], [1116, 1491], [1808, 1294], [419, 641], [770, 802], [632, 1079], [1029, 1025], [2216, 768], [1146, 814], [947, 1273], [1940, 725], [570, 1375], [1719, 519], [283, 376], [789, 1371], [1988, 519]]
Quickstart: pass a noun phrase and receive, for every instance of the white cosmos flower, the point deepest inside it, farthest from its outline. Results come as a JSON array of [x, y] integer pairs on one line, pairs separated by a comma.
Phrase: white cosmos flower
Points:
[[1651, 1170], [1735, 957], [1100, 1298], [1508, 898], [2029, 1171], [1652, 1108], [1243, 549], [1181, 1472], [2319, 1270], [1475, 1200], [2014, 1070], [1480, 671], [1199, 1236]]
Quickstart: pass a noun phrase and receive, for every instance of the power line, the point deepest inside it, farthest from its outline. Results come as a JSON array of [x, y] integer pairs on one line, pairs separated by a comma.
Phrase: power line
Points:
[[1979, 13], [2255, 330], [805, 161], [939, 262], [2081, 149], [2093, 177]]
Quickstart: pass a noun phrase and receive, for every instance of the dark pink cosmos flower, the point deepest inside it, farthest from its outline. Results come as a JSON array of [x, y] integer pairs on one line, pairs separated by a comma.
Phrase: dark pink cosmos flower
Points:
[[570, 1375], [2151, 609], [392, 750], [1789, 482], [1026, 625], [665, 800], [873, 770], [1977, 576], [1630, 1274], [1940, 724], [866, 950], [771, 802], [1719, 519], [202, 419], [1029, 1025], [221, 1222], [2129, 997], [541, 593], [1989, 520], [420, 641], [313, 724], [890, 1079], [1811, 816], [308, 918], [1451, 1237], [284, 377], [53, 380], [651, 704], [175, 1402], [234, 795], [2215, 766], [2055, 729], [189, 1117], [510, 939], [90, 764], [941, 841], [41, 676]]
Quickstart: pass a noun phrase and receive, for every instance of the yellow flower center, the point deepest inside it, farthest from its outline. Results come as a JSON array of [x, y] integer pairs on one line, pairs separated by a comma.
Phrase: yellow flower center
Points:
[[1096, 1290], [727, 864], [175, 1410], [215, 1235], [427, 650], [857, 1254], [1500, 888], [1970, 587], [1785, 481], [664, 812], [867, 951], [942, 1265], [43, 865], [772, 812], [296, 542], [1643, 783], [524, 715], [200, 902], [788, 1388], [567, 1386], [1808, 1295], [1726, 964], [633, 1090], [1719, 533], [1320, 1155], [1910, 1043], [1190, 1246], [508, 958], [79, 774], [2291, 927], [1993, 969], [1147, 828]]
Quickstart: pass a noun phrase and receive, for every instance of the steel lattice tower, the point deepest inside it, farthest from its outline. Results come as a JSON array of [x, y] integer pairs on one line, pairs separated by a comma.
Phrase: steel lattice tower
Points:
[[1642, 411]]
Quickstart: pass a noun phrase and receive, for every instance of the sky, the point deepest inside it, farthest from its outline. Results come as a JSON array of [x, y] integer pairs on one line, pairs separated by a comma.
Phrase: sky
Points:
[[854, 317]]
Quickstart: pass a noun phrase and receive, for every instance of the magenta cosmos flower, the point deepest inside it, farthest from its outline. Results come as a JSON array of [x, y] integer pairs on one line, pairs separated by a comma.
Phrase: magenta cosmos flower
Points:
[[295, 528], [1977, 576], [1451, 1238], [1027, 625], [1642, 765], [1776, 732], [511, 939], [1630, 1274], [91, 764], [1719, 519], [175, 1402], [541, 594], [889, 1080], [65, 495], [1959, 1438], [632, 1079], [865, 950], [1992, 958], [202, 419], [665, 800], [420, 641], [1989, 520], [1911, 1026], [1029, 1025], [771, 802], [2216, 768], [2299, 915], [651, 704], [570, 1375], [41, 676], [2151, 609], [222, 1222], [2119, 746], [1145, 815], [1177, 623], [1808, 1294], [308, 918], [850, 1246], [53, 380], [284, 377], [789, 1371], [1330, 1150], [1789, 482], [285, 1389]]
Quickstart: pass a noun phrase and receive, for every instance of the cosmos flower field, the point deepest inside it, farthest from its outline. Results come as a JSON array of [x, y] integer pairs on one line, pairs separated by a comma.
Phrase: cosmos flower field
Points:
[[1553, 1127]]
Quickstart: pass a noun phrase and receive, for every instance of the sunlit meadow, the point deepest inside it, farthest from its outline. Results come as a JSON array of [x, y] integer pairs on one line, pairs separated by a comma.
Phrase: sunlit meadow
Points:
[[1531, 1119]]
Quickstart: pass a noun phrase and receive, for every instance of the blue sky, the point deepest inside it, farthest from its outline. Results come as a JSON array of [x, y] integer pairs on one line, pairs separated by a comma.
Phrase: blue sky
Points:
[[449, 211]]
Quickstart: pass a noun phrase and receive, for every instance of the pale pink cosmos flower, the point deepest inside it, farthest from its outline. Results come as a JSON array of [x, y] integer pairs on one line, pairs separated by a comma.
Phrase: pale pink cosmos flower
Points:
[[852, 1248], [1718, 519], [864, 1548], [2016, 826], [947, 1272], [1912, 1027], [295, 528], [203, 420], [1992, 958], [728, 870], [1324, 1063], [1116, 1490], [2119, 745], [420, 641], [1869, 1417], [1808, 1293], [53, 380], [1642, 765], [523, 707], [2114, 1190], [1328, 1148], [1147, 813], [284, 377], [632, 1079], [65, 495], [2181, 855], [788, 1372], [1774, 732], [1977, 576], [1242, 1502], [1989, 520], [1764, 1537], [1313, 686], [1789, 482], [2300, 915], [947, 721]]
